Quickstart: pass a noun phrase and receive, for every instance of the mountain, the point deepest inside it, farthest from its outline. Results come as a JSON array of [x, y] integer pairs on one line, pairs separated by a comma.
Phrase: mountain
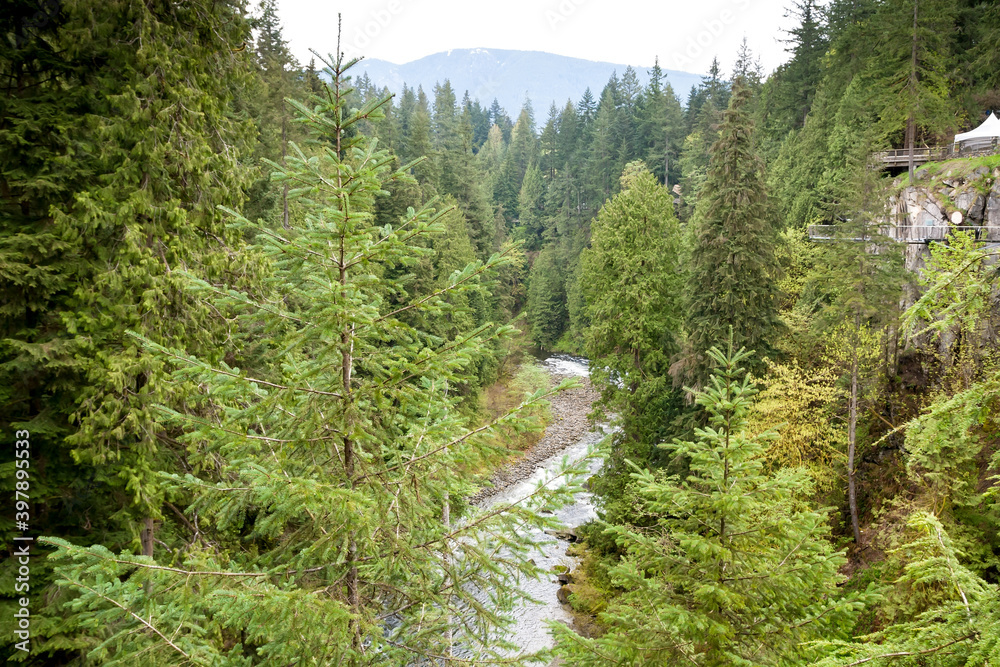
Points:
[[510, 76]]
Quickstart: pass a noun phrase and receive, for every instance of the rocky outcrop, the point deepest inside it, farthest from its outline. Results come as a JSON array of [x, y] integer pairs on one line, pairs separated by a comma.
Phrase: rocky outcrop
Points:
[[958, 195]]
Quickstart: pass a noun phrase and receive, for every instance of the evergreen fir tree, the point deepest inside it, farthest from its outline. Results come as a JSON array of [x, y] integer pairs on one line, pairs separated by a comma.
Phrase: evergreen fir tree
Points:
[[457, 169], [799, 79], [736, 568], [568, 138], [733, 268], [546, 307], [631, 284], [604, 161], [480, 119], [319, 492], [521, 152], [530, 204], [911, 78], [661, 127], [861, 278], [548, 144], [420, 144], [123, 127], [703, 116], [498, 116], [273, 117]]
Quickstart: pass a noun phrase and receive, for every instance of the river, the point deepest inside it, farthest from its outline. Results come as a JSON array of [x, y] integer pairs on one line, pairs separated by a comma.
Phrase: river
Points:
[[530, 632]]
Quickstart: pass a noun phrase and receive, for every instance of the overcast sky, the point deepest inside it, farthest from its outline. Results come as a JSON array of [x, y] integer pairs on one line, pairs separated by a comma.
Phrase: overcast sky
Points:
[[685, 34]]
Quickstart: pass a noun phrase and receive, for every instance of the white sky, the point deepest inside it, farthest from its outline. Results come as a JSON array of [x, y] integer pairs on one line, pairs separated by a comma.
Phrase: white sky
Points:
[[685, 34]]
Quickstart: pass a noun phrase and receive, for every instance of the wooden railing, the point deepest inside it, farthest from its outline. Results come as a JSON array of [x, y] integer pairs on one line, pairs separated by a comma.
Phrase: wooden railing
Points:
[[900, 157], [905, 234]]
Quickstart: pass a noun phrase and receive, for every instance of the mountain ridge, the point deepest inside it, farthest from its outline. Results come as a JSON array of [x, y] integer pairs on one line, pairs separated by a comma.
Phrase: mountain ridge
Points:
[[511, 76]]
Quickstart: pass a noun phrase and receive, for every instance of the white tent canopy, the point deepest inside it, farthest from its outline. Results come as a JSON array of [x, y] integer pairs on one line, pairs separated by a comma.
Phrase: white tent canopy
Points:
[[983, 135]]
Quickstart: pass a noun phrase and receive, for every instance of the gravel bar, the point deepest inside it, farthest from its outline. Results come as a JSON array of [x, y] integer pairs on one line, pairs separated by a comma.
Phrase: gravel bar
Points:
[[569, 423]]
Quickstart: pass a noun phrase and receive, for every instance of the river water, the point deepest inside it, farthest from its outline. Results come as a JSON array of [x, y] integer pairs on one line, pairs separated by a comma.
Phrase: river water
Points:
[[530, 632]]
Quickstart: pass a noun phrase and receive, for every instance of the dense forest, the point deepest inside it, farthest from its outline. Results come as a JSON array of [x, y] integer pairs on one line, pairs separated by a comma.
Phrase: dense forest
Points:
[[252, 307]]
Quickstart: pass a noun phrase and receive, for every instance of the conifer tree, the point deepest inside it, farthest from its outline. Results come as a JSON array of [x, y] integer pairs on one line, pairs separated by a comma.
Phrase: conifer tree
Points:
[[586, 107], [568, 137], [479, 119], [961, 627], [703, 115], [548, 144], [911, 78], [862, 280], [631, 284], [137, 142], [420, 144], [319, 492], [984, 56], [733, 267], [799, 79], [661, 127], [457, 169], [498, 116], [530, 204], [521, 152], [736, 568], [276, 78], [546, 299], [604, 161]]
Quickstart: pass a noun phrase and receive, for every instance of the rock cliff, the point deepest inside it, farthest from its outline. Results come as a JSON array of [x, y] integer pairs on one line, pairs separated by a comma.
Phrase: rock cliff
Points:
[[958, 194]]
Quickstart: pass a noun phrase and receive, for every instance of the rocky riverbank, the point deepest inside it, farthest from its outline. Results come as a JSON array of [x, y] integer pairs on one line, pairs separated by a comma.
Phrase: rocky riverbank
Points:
[[569, 411]]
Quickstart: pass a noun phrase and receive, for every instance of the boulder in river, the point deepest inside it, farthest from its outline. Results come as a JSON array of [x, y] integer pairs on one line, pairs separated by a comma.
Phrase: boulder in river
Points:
[[568, 535]]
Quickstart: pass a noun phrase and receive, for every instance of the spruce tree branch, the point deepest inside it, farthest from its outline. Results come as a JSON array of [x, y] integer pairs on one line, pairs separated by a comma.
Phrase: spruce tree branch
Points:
[[164, 568], [463, 438], [485, 267], [293, 244], [249, 302], [416, 216], [135, 616], [437, 353], [904, 654], [936, 289], [362, 256], [593, 649], [466, 527], [219, 371], [248, 436], [947, 559]]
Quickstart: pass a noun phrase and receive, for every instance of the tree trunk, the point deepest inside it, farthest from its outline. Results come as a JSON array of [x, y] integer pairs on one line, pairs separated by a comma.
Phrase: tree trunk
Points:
[[284, 152], [666, 159], [347, 369], [146, 537], [446, 521], [852, 424], [911, 121]]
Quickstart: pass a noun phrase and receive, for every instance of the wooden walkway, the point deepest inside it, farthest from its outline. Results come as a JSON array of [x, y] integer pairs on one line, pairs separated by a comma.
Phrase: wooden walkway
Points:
[[900, 157], [913, 235]]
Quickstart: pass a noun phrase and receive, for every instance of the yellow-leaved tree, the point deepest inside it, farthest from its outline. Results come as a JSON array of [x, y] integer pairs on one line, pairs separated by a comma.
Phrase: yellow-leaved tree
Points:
[[799, 401]]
